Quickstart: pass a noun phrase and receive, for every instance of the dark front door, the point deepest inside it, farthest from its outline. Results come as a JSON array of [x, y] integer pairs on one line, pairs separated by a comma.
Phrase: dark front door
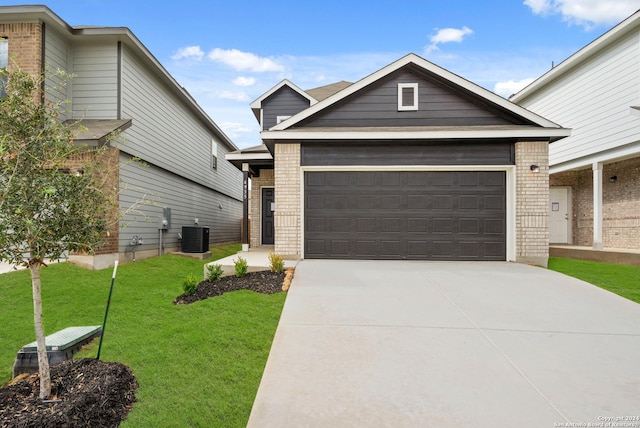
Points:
[[428, 215], [268, 200]]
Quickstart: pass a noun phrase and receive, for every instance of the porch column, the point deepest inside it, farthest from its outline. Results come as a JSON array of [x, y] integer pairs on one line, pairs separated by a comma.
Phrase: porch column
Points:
[[597, 206], [245, 207]]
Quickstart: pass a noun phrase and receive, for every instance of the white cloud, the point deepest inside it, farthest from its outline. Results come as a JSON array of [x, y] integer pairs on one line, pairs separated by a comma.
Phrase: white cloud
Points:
[[510, 87], [189, 52], [230, 95], [244, 81], [587, 13], [244, 61], [448, 35]]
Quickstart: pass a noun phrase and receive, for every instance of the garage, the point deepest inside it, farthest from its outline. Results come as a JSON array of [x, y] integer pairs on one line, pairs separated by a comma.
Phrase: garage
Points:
[[421, 215]]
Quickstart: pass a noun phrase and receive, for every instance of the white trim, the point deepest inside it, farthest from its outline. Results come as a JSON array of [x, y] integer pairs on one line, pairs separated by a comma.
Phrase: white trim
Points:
[[401, 106], [617, 154], [416, 135], [257, 103], [430, 67], [510, 192], [247, 156]]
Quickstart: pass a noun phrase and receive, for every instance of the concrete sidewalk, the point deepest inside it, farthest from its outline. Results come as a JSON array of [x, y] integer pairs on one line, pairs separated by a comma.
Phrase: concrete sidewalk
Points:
[[437, 344]]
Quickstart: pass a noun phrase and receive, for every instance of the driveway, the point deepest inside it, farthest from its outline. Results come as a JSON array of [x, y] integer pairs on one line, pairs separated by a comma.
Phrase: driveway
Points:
[[449, 344]]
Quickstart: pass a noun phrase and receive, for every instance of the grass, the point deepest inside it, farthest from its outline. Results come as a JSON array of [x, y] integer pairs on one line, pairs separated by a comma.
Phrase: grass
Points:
[[620, 279], [197, 365]]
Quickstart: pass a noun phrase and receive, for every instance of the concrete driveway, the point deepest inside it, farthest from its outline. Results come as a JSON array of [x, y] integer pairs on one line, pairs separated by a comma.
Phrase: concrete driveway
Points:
[[449, 344]]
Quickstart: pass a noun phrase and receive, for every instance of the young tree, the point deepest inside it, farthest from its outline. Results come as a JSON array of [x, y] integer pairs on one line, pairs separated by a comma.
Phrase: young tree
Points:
[[52, 198]]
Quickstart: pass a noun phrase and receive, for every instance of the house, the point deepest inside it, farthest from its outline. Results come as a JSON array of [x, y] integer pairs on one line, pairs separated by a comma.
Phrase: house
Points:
[[411, 162], [594, 173], [120, 85]]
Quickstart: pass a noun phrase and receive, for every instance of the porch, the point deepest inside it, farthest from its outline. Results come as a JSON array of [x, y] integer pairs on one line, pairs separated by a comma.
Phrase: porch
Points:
[[621, 256]]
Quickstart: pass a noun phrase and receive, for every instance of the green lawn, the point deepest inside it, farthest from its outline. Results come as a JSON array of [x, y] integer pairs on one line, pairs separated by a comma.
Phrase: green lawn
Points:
[[197, 365], [620, 279]]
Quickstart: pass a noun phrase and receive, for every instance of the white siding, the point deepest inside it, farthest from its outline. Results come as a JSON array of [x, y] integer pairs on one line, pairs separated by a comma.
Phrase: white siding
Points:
[[594, 100], [95, 87], [166, 133], [187, 200]]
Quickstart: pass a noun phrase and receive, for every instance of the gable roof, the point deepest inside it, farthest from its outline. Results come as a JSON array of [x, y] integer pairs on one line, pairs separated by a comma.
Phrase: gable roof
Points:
[[256, 105], [632, 23], [414, 59], [326, 91], [44, 14]]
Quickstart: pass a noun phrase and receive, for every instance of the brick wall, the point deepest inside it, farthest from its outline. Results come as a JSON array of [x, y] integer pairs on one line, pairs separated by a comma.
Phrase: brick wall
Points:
[[288, 210], [25, 46], [620, 199], [266, 178], [532, 203]]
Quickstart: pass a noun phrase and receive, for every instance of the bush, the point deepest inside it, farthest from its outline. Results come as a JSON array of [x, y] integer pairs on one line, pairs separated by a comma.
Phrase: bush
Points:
[[214, 272], [190, 284], [276, 263], [241, 267]]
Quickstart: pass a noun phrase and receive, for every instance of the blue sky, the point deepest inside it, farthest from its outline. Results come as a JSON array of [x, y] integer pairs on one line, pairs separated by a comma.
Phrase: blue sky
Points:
[[226, 54]]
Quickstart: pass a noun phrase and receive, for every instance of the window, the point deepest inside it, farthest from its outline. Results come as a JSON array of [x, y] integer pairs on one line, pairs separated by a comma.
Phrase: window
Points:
[[407, 96], [4, 62], [214, 154]]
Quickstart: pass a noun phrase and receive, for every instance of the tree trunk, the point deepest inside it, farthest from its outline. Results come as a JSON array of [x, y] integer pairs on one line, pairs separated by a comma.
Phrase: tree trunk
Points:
[[43, 360]]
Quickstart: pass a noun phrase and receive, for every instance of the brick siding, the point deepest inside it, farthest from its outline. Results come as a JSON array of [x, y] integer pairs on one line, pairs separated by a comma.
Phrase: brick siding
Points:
[[25, 46], [288, 211], [532, 203], [620, 199]]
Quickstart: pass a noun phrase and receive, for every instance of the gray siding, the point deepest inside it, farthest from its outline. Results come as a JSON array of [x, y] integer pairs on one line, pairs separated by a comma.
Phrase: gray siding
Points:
[[438, 105], [408, 153], [57, 56], [187, 200], [95, 87], [166, 133], [285, 102]]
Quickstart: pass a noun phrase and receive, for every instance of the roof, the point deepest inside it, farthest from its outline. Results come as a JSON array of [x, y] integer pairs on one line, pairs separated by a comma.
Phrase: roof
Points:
[[96, 132], [256, 105], [414, 59], [632, 23], [257, 157], [326, 91], [44, 14]]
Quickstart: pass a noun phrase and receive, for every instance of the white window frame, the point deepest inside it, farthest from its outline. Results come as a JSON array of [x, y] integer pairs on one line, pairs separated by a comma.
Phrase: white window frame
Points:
[[401, 106], [214, 154]]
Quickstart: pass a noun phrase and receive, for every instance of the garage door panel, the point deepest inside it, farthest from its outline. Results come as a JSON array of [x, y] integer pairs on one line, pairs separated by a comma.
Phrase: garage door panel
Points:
[[414, 215]]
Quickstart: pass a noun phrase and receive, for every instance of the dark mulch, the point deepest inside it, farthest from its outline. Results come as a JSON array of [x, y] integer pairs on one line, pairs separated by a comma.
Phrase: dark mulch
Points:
[[92, 393], [265, 282]]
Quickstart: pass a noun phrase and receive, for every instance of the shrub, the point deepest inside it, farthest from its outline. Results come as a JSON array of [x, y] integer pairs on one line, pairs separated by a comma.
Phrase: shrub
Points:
[[241, 267], [190, 284], [276, 263], [214, 272]]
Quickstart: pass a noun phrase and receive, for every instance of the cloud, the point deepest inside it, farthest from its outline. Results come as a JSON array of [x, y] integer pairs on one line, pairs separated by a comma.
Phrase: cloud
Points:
[[244, 61], [189, 52], [230, 95], [448, 35], [244, 81], [587, 13], [510, 87]]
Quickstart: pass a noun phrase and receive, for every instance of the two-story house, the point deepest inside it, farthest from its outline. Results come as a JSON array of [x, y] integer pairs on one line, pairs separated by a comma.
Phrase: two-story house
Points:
[[120, 86]]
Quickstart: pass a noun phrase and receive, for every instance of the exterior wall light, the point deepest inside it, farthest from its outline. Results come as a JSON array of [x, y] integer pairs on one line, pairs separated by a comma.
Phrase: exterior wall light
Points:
[[613, 179], [534, 168]]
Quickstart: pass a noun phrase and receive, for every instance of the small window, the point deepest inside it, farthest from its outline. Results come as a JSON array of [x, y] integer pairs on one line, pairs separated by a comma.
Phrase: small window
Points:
[[281, 118], [214, 154], [407, 96]]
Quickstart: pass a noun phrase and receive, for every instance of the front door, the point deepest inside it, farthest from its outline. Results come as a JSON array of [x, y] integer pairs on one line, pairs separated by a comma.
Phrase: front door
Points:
[[559, 215], [268, 207]]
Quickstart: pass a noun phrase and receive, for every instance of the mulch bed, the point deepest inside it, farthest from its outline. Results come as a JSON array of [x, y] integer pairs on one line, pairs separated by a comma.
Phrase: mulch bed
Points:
[[265, 282], [94, 393], [91, 393]]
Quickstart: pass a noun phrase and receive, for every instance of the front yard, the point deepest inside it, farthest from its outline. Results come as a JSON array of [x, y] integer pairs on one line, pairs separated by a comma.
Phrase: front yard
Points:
[[197, 364]]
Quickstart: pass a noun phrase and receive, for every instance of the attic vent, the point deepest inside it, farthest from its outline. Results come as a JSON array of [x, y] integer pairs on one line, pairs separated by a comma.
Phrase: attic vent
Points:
[[407, 96]]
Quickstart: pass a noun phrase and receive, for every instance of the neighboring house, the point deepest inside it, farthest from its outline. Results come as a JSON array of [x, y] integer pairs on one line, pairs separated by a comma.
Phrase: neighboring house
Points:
[[119, 85], [595, 173], [411, 162]]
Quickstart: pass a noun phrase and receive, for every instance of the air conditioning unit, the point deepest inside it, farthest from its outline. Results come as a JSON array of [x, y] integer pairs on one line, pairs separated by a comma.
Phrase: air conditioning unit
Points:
[[195, 239]]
